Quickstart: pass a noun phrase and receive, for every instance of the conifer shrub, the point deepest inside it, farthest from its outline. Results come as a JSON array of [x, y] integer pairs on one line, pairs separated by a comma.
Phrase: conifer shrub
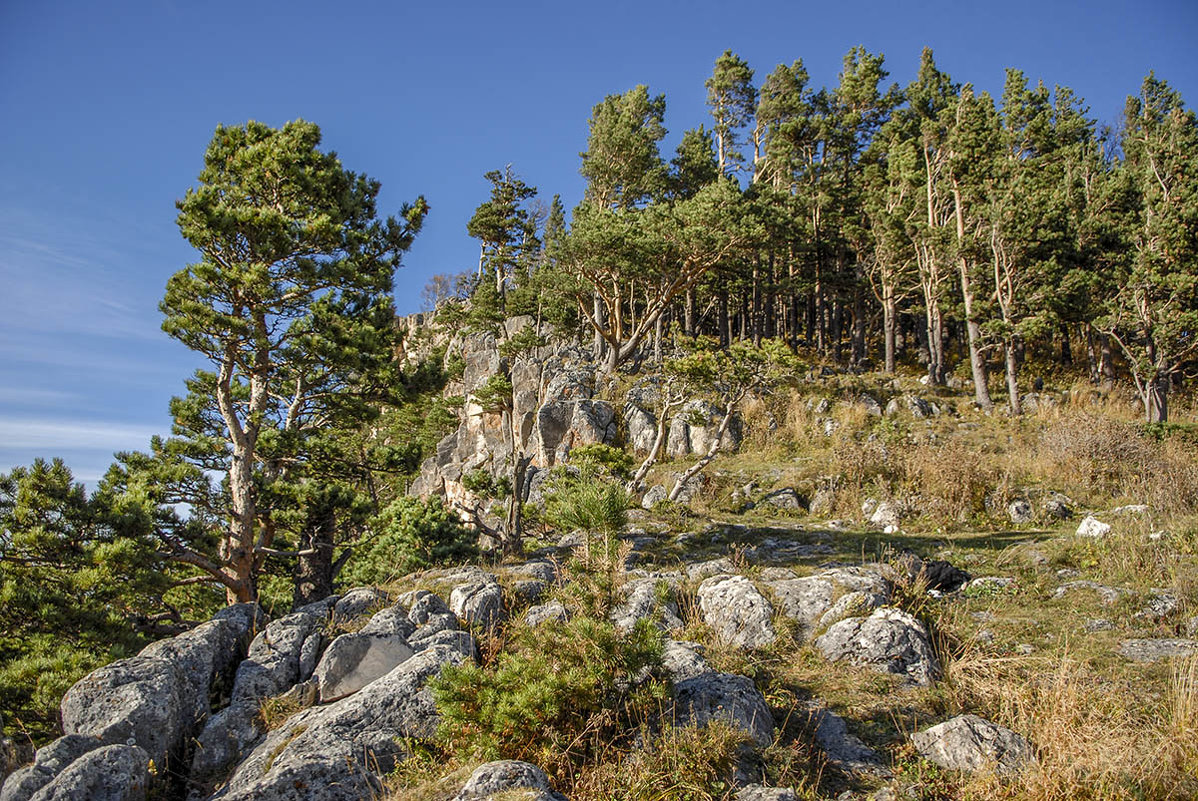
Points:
[[409, 534], [557, 695]]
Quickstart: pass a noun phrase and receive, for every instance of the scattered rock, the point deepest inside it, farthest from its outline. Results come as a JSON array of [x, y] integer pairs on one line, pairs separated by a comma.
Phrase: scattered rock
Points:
[[971, 743], [737, 611], [479, 603], [809, 600], [1131, 510], [554, 611], [157, 699], [1098, 624], [1058, 506], [759, 792], [505, 776], [343, 747], [50, 760], [1153, 650], [357, 602], [1161, 604], [727, 697], [887, 513], [653, 496], [888, 641], [1093, 527]]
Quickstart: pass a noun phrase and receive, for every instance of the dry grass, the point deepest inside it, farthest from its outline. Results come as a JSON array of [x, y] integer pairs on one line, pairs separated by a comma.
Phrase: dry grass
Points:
[[1093, 740]]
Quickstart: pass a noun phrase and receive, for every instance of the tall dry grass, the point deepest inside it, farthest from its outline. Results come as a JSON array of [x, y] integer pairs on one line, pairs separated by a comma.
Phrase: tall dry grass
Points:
[[1091, 743]]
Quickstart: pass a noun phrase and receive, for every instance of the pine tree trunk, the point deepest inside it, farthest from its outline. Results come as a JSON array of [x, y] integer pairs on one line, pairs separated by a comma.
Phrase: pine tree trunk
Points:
[[1156, 402], [1013, 376], [888, 326], [313, 577]]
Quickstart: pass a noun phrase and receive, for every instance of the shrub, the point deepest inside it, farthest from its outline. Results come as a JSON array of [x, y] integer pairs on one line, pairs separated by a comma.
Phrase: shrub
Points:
[[555, 696], [410, 534]]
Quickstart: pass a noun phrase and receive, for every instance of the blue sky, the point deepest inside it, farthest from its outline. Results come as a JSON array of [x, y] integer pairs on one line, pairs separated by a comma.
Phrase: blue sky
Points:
[[106, 108]]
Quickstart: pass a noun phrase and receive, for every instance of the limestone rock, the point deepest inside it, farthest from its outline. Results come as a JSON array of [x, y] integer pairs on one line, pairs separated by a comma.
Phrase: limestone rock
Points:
[[737, 611], [1093, 527], [354, 660], [683, 660], [843, 748], [157, 699], [727, 697], [479, 603], [109, 773], [888, 641], [759, 792], [358, 602], [554, 611], [340, 749], [1020, 512], [392, 620], [887, 513], [647, 598], [653, 496], [1154, 650], [971, 743], [493, 778], [785, 499], [808, 600], [50, 760]]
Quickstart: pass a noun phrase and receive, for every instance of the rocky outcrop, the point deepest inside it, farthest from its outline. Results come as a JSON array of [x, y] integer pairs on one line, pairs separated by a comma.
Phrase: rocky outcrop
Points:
[[815, 602], [647, 598], [336, 752], [726, 697], [970, 743]]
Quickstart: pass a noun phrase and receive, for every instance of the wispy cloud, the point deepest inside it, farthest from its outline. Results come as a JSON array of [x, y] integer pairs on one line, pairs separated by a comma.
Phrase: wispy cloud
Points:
[[57, 436], [28, 396]]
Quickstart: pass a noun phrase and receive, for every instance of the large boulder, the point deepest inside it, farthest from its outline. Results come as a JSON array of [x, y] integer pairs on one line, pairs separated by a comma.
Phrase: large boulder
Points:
[[505, 776], [971, 743], [337, 752], [157, 699], [737, 612], [888, 641], [843, 748], [109, 773], [726, 697]]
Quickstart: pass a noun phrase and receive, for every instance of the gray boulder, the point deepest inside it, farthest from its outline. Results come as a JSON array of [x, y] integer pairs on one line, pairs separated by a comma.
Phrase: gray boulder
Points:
[[737, 611], [785, 499], [727, 697], [888, 641], [50, 760], [109, 773], [971, 743], [493, 778], [343, 747], [1093, 527], [354, 660], [1020, 512], [810, 601], [647, 598], [158, 698], [392, 620], [653, 496], [641, 426], [887, 514]]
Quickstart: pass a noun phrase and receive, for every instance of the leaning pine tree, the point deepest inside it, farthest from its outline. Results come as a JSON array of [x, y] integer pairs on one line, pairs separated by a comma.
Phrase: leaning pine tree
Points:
[[291, 303]]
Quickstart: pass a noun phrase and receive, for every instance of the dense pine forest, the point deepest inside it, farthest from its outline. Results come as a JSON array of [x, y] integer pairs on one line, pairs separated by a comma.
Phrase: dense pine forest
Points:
[[926, 236]]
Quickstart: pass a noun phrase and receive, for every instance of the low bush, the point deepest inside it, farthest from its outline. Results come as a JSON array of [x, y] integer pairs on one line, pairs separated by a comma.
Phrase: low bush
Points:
[[409, 535]]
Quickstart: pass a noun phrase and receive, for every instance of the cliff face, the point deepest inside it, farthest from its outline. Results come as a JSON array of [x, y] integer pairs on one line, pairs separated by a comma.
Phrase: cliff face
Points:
[[559, 400]]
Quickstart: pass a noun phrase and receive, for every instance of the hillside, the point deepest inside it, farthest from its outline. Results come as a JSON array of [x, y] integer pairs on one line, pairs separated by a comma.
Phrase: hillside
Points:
[[862, 559]]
